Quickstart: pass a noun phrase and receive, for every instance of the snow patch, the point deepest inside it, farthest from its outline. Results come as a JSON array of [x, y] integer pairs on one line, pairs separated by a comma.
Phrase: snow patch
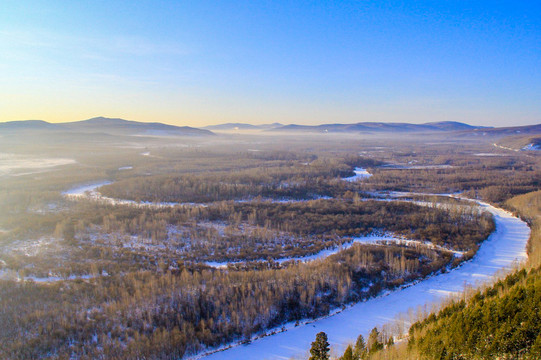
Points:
[[51, 279], [360, 174], [489, 154], [504, 147], [531, 147]]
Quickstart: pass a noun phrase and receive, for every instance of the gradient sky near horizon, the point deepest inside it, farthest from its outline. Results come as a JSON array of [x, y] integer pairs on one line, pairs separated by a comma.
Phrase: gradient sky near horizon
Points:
[[307, 62]]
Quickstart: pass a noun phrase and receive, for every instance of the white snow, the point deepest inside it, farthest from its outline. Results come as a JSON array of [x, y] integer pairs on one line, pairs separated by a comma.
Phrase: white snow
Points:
[[125, 168], [30, 247], [9, 274], [90, 192], [489, 154], [503, 250], [385, 240], [360, 173], [531, 147], [51, 279], [504, 147], [86, 191]]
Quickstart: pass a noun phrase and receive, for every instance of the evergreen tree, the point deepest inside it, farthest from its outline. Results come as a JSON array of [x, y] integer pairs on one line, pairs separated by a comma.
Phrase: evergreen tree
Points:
[[320, 347], [373, 341], [348, 354], [360, 348]]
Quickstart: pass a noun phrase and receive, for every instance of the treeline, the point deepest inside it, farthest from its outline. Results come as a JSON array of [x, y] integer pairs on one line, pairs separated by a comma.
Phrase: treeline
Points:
[[284, 180], [171, 313], [461, 228], [492, 184]]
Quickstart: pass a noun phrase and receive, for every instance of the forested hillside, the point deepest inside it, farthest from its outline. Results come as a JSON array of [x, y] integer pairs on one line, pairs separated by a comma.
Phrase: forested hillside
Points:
[[503, 321], [500, 322]]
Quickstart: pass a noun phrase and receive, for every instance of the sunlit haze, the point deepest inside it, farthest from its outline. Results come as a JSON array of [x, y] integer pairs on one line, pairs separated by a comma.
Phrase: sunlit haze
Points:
[[199, 63]]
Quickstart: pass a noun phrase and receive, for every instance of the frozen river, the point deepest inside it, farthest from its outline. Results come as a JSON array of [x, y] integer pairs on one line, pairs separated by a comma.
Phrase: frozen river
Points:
[[504, 248]]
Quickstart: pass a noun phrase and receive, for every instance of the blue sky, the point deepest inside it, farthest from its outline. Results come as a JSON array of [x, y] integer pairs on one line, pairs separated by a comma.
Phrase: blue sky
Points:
[[198, 63]]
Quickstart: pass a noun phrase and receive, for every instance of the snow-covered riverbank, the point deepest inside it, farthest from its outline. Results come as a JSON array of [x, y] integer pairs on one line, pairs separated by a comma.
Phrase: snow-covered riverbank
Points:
[[90, 192], [370, 239], [360, 173], [501, 251]]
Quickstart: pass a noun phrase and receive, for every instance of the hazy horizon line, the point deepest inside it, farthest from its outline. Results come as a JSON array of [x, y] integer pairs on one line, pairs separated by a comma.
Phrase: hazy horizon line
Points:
[[259, 123]]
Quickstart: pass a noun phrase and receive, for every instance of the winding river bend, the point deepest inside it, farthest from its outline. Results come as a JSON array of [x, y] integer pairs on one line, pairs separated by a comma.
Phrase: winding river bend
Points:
[[502, 251]]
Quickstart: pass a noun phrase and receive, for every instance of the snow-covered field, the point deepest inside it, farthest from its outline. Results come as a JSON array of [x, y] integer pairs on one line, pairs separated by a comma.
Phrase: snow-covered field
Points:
[[504, 248], [16, 165]]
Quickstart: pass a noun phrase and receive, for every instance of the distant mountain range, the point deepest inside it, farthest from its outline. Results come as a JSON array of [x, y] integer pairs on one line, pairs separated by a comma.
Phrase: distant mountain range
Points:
[[110, 126], [513, 130], [444, 127], [242, 126], [379, 127], [106, 126]]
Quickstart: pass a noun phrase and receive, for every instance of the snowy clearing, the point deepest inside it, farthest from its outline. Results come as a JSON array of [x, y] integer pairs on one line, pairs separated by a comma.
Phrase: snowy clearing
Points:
[[32, 247], [503, 250]]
